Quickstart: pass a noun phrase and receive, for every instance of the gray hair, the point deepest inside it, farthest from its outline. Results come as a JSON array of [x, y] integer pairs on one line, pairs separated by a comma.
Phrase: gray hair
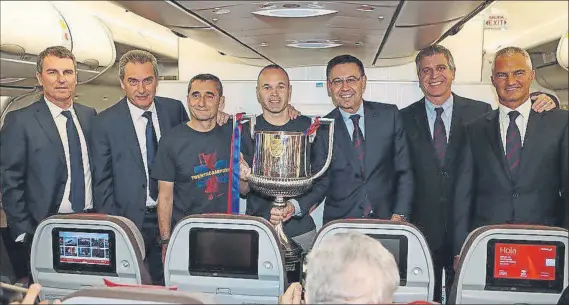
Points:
[[139, 57], [509, 51], [57, 51], [434, 50], [351, 267]]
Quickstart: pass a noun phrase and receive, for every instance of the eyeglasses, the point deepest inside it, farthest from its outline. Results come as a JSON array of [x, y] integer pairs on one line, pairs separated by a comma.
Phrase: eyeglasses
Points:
[[339, 82]]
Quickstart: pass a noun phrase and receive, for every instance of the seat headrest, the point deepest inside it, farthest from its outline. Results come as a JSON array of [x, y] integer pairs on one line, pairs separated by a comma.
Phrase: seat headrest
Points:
[[124, 295], [126, 224], [513, 227]]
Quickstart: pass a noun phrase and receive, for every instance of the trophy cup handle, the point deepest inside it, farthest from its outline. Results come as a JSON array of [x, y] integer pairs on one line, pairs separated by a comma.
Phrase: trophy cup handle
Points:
[[251, 117], [330, 122]]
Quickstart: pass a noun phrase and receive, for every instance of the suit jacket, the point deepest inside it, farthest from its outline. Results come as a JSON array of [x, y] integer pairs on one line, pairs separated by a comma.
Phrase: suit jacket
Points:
[[434, 183], [33, 166], [387, 182], [485, 193], [120, 181]]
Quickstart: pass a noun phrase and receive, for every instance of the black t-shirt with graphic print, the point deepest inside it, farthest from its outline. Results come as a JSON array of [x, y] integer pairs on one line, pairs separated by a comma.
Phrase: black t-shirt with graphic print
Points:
[[198, 164]]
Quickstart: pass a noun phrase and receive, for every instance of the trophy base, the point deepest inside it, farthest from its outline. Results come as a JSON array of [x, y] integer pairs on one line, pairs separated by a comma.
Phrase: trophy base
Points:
[[291, 250], [293, 260]]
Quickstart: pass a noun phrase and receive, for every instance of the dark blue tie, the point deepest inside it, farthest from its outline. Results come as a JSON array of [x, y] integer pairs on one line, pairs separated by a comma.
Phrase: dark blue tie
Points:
[[513, 146], [440, 136], [151, 146], [358, 143], [77, 189], [358, 140]]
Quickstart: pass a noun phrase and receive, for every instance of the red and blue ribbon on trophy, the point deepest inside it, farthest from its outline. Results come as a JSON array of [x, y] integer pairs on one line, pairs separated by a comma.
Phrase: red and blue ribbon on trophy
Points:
[[234, 166]]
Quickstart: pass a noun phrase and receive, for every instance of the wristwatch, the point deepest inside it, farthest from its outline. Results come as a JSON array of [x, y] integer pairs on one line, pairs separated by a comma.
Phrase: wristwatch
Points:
[[164, 241]]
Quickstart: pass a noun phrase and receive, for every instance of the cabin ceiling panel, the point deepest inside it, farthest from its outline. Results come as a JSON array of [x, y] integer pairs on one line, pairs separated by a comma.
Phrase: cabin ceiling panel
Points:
[[416, 13], [161, 12], [405, 41], [218, 41], [359, 26]]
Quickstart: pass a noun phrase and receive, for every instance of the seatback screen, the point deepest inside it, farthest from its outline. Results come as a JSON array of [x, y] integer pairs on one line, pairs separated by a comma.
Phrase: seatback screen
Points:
[[396, 245], [224, 253], [84, 250], [525, 265]]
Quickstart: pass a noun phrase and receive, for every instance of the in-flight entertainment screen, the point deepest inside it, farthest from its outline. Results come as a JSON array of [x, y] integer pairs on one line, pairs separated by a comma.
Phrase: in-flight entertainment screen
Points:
[[396, 245], [525, 265], [84, 250], [224, 253]]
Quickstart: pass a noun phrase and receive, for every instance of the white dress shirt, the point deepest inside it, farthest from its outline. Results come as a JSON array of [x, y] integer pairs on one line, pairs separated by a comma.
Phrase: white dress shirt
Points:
[[140, 127], [61, 122], [522, 120]]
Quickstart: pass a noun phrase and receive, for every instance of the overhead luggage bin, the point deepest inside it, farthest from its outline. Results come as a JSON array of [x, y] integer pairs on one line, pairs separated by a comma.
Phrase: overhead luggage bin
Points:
[[235, 259], [512, 264], [76, 251], [28, 29], [405, 242]]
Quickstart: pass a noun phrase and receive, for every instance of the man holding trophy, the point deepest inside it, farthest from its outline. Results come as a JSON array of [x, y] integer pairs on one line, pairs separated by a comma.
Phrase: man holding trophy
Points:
[[273, 93]]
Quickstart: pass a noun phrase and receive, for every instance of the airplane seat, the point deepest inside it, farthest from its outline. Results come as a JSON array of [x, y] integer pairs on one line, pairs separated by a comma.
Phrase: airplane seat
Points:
[[511, 264], [563, 51], [137, 235], [133, 296], [75, 251], [235, 259], [405, 242]]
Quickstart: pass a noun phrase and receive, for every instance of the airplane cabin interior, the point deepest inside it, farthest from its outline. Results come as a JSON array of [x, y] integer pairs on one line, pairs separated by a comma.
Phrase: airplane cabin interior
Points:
[[234, 40]]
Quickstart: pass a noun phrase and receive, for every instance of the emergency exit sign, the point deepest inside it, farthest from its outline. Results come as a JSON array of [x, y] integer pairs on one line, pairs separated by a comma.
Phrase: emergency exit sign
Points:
[[495, 22]]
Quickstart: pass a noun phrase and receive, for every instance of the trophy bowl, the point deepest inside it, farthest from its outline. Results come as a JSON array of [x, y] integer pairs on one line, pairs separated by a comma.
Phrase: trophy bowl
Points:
[[281, 169]]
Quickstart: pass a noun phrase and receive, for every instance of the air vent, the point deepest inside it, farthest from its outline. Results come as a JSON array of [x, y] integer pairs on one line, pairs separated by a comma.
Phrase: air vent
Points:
[[294, 12], [314, 44]]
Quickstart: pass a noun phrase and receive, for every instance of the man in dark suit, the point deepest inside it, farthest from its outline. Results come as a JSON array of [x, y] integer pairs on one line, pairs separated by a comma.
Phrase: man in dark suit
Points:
[[515, 166], [124, 140], [435, 128], [370, 173], [44, 153]]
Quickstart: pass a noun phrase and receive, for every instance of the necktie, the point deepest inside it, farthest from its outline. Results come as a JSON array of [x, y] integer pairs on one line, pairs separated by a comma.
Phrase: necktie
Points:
[[358, 143], [513, 146], [358, 140], [77, 187], [151, 147], [440, 136]]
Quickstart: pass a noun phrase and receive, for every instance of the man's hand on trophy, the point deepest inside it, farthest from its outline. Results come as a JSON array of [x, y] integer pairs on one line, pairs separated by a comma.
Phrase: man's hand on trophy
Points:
[[292, 112], [222, 118], [244, 169], [281, 214]]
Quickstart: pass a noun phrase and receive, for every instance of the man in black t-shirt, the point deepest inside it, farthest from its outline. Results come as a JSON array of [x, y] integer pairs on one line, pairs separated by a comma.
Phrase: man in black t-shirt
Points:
[[273, 93], [192, 162]]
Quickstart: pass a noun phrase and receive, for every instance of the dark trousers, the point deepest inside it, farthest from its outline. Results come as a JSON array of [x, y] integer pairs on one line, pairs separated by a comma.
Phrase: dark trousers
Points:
[[18, 254], [151, 235], [443, 262]]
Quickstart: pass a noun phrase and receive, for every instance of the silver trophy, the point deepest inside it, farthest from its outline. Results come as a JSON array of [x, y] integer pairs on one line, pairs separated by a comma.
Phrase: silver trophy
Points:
[[281, 169]]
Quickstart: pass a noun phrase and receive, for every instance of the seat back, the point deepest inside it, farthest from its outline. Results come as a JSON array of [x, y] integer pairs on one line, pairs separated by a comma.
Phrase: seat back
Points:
[[509, 264], [133, 296], [236, 259], [71, 252], [405, 242]]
